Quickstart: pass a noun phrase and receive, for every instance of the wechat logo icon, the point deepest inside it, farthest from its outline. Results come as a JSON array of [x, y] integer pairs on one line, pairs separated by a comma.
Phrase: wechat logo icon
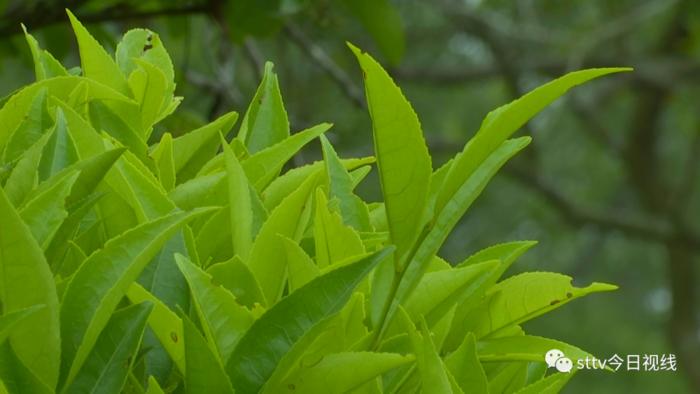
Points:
[[555, 359]]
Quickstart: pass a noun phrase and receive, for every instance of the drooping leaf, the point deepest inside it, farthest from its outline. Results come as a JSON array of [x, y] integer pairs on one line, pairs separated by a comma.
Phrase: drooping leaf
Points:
[[403, 159], [26, 281], [112, 358], [275, 332]]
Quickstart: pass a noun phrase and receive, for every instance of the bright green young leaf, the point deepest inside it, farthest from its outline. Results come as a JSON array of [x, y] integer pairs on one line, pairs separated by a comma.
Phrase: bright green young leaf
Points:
[[112, 358], [101, 282], [334, 240], [59, 151], [267, 258], [403, 159], [195, 148], [502, 122], [507, 378], [35, 123], [525, 348], [25, 177], [146, 46], [280, 188], [552, 384], [432, 371], [205, 373], [240, 209], [344, 372], [340, 186], [95, 61], [274, 333], [165, 161], [449, 217], [166, 325], [265, 122], [523, 297], [45, 213], [464, 365], [264, 165], [45, 65], [149, 87], [26, 281], [224, 321], [235, 276], [300, 267]]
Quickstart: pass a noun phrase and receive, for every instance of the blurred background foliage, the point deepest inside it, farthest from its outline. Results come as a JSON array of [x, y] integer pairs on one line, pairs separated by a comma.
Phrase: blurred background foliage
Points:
[[609, 187]]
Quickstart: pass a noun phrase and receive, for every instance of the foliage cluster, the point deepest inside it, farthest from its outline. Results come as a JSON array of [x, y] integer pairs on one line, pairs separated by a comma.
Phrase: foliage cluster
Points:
[[135, 261]]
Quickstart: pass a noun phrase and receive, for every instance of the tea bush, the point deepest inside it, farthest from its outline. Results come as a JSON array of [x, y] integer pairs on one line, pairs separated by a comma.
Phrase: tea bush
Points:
[[145, 262]]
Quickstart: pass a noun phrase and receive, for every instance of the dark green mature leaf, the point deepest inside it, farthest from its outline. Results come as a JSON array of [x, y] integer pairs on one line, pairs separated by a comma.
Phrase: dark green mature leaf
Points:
[[265, 122], [112, 358], [403, 159], [102, 281], [26, 281], [274, 333], [204, 371]]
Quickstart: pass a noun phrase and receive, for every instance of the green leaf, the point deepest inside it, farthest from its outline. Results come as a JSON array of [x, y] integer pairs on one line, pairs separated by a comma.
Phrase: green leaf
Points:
[[94, 60], [433, 373], [26, 281], [223, 319], [25, 177], [300, 266], [110, 361], [166, 325], [59, 151], [343, 372], [334, 240], [464, 365], [101, 282], [552, 384], [195, 148], [265, 122], [154, 387], [45, 65], [404, 163], [16, 377], [205, 373], [165, 161], [340, 186], [149, 87], [274, 333], [146, 46], [524, 297], [525, 348], [240, 209], [35, 123], [46, 212], [502, 122], [267, 258], [264, 165], [9, 321], [282, 186], [449, 217], [235, 276], [383, 23]]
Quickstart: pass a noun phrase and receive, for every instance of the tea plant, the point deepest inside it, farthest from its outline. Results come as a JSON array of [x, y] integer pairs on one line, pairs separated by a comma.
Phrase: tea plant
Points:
[[144, 263]]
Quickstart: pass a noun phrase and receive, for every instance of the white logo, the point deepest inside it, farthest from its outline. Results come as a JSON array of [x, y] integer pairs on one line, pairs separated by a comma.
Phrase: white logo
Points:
[[555, 359]]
